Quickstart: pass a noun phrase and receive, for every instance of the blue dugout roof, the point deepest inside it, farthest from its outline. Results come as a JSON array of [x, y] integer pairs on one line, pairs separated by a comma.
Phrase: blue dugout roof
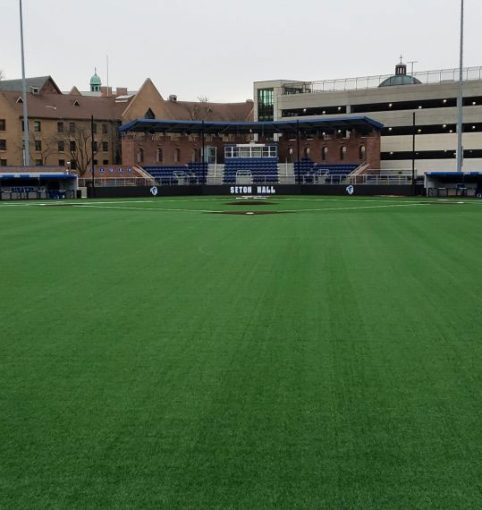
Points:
[[44, 176], [358, 122], [454, 174]]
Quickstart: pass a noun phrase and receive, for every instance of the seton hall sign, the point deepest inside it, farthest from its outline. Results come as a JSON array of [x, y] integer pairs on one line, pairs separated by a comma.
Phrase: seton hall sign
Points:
[[252, 190]]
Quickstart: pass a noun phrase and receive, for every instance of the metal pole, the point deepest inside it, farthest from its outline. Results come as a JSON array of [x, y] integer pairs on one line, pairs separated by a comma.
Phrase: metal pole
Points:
[[460, 98], [92, 144], [298, 150], [26, 136], [202, 153], [413, 152]]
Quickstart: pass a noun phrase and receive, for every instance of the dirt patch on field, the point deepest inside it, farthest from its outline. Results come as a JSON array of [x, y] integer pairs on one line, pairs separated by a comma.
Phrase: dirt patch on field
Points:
[[250, 213], [251, 202]]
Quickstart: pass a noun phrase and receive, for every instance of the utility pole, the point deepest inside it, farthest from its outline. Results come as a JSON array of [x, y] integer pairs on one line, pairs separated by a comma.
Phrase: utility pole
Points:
[[26, 136], [92, 150], [414, 125], [460, 98]]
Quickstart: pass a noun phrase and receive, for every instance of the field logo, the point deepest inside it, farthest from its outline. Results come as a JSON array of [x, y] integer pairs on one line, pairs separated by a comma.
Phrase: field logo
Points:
[[154, 191], [350, 189]]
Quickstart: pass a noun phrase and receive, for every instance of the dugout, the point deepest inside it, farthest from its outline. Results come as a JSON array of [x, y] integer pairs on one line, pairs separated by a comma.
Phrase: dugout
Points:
[[453, 184], [37, 185]]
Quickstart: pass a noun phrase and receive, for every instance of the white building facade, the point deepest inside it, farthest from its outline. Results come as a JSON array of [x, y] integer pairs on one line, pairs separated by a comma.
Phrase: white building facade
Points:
[[418, 110]]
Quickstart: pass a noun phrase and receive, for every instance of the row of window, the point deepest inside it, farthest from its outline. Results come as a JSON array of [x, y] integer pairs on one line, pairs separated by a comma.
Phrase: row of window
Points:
[[62, 163], [440, 154], [362, 153], [430, 129], [196, 155], [382, 107], [72, 127], [61, 127], [60, 146]]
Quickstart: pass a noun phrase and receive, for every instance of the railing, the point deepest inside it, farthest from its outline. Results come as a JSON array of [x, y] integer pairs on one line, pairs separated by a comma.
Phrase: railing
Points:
[[365, 179], [306, 179], [368, 82]]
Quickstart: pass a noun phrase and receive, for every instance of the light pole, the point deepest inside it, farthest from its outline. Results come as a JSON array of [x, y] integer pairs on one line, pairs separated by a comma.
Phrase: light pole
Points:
[[92, 154], [26, 137], [413, 151], [460, 98]]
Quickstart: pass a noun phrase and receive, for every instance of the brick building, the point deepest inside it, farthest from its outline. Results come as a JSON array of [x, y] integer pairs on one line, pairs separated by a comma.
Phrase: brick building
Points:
[[59, 123]]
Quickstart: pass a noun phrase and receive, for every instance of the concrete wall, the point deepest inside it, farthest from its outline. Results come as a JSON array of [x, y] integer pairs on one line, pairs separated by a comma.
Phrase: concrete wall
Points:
[[424, 117]]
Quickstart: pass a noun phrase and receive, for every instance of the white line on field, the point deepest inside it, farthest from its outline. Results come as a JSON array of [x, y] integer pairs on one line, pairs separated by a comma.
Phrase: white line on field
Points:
[[176, 209]]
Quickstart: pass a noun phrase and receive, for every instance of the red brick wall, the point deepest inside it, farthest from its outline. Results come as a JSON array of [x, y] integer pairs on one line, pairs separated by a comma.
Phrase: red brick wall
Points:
[[189, 148]]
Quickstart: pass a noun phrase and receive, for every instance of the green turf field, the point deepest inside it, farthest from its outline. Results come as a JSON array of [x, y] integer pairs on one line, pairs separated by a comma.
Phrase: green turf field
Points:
[[158, 354]]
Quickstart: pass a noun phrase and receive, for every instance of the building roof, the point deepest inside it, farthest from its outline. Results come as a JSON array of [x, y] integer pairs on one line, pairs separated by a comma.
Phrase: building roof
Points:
[[267, 127], [37, 82], [67, 106], [197, 110]]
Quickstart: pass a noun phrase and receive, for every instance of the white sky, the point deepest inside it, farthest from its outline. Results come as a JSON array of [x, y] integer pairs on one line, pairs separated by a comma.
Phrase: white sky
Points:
[[217, 48]]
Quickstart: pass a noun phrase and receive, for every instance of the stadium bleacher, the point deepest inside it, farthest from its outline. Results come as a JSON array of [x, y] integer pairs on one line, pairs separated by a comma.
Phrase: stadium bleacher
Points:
[[311, 172], [263, 170], [192, 173]]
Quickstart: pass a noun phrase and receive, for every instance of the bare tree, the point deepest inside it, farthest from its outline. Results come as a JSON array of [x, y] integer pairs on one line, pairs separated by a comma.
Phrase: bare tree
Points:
[[2, 75], [80, 149], [44, 146], [203, 99]]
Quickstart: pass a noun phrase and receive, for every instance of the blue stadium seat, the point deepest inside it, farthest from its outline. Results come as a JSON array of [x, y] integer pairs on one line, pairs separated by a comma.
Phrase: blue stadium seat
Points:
[[262, 169]]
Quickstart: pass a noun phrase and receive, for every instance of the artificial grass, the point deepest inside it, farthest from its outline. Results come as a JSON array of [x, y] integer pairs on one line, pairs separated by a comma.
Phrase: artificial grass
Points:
[[155, 356]]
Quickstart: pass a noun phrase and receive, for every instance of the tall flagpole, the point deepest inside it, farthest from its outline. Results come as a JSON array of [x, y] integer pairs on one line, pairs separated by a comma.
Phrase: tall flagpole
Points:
[[460, 98], [26, 137]]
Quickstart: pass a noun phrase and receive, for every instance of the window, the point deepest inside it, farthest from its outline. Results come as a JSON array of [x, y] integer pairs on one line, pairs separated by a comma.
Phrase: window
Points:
[[73, 146], [324, 153], [95, 162], [149, 114], [95, 146], [2, 125], [265, 104], [38, 162], [37, 126], [61, 146], [72, 127], [140, 155], [60, 127], [3, 145], [363, 153], [94, 128], [38, 145], [61, 162], [342, 153], [3, 162], [105, 146], [159, 155], [177, 155], [104, 129], [105, 161]]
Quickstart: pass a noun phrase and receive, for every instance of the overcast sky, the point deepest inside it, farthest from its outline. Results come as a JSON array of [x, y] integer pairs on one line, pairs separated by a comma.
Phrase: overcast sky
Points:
[[217, 48]]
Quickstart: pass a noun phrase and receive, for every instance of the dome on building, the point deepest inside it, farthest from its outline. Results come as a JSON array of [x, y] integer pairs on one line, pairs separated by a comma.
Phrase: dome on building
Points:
[[400, 77], [95, 82]]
